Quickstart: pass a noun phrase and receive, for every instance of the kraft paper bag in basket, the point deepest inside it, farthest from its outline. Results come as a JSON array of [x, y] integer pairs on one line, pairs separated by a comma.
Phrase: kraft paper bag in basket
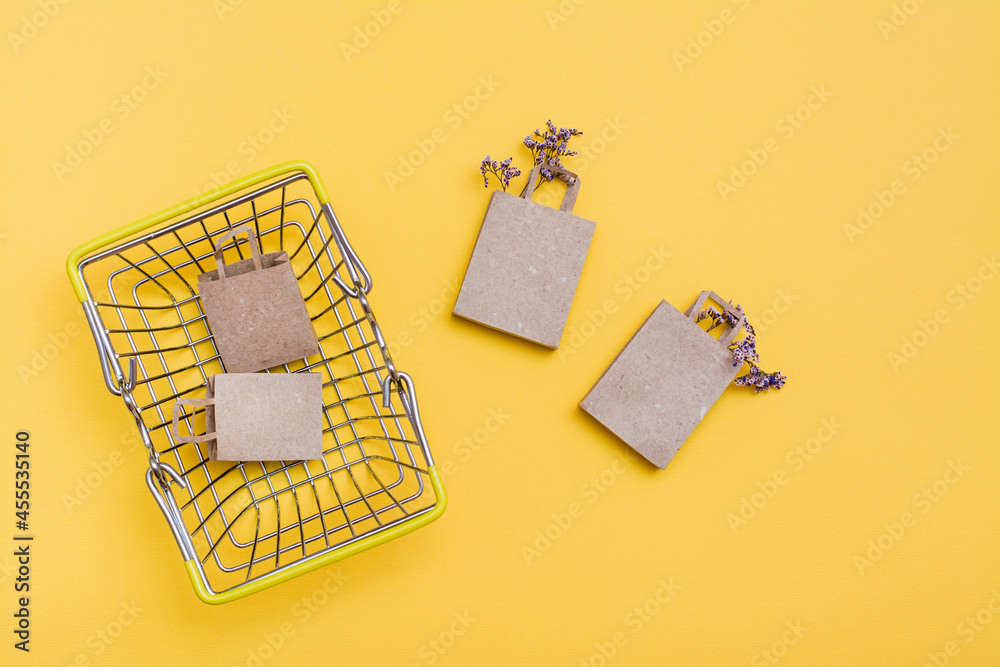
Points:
[[665, 380], [526, 264], [259, 417], [255, 309]]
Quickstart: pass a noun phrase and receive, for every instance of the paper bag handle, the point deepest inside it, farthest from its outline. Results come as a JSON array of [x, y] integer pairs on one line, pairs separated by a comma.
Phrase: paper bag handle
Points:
[[197, 402], [231, 234], [572, 189], [728, 337]]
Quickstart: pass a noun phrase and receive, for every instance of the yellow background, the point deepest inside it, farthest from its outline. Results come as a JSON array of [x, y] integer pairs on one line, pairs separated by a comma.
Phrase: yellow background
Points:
[[651, 185]]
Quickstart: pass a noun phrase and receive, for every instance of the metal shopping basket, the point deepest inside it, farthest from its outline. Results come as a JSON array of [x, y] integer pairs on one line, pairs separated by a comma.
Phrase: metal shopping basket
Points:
[[243, 527]]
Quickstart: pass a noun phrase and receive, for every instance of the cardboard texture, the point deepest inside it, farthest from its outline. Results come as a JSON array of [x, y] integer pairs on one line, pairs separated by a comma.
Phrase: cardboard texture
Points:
[[664, 381], [526, 264], [255, 309], [259, 417]]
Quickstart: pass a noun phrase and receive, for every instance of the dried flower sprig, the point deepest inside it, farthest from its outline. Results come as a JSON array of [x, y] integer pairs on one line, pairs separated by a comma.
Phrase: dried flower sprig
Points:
[[547, 148], [744, 351], [551, 146], [503, 171]]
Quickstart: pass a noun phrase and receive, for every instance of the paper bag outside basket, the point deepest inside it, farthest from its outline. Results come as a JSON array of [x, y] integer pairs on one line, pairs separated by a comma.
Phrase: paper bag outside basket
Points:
[[526, 264], [255, 309], [665, 380], [259, 417]]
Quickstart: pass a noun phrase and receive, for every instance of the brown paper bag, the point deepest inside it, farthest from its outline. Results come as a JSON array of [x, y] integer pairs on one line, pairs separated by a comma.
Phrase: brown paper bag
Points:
[[255, 309], [664, 381], [259, 417], [526, 264]]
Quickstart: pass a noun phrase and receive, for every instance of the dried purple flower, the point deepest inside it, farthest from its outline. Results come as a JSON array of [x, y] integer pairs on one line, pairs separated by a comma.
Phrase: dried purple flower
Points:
[[547, 148], [503, 171], [710, 313], [744, 350], [761, 381], [550, 147]]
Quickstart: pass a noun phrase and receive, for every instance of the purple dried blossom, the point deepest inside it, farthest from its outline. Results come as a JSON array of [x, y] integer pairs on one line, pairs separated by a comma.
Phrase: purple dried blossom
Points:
[[547, 148], [550, 147], [503, 171], [710, 313], [744, 350], [761, 381]]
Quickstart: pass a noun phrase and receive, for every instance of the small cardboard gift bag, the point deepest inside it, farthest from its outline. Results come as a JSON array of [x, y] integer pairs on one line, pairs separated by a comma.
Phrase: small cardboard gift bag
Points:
[[255, 309], [664, 381], [526, 264], [259, 417]]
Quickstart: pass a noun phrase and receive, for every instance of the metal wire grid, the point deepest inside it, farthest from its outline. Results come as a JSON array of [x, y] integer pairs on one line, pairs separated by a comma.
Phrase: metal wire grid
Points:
[[248, 519]]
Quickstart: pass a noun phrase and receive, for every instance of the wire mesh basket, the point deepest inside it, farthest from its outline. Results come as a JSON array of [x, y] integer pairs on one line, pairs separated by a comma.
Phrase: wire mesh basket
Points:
[[242, 527]]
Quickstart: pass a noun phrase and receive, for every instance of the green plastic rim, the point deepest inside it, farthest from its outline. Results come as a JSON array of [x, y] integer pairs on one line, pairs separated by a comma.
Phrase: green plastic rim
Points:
[[209, 597], [73, 261]]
